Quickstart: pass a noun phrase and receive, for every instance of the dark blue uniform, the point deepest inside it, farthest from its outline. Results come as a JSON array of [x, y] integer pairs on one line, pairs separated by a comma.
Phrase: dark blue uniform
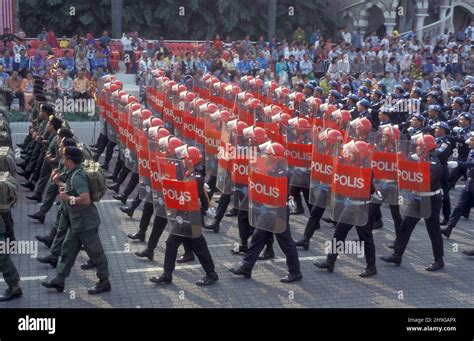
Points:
[[432, 222], [460, 138], [445, 148], [466, 199]]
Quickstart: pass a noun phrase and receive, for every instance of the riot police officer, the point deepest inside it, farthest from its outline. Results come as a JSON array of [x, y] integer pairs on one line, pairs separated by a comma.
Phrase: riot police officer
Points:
[[261, 237], [466, 198], [192, 159], [426, 150], [444, 148]]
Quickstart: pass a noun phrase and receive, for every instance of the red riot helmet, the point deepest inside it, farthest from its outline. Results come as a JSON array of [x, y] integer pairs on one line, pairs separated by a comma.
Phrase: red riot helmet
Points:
[[168, 144], [189, 154], [256, 135]]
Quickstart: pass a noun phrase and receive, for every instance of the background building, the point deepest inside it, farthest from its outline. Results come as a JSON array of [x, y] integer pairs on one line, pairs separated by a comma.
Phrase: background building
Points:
[[424, 17]]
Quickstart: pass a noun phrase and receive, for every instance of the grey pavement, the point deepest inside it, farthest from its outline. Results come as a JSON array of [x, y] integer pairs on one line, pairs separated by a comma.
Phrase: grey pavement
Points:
[[403, 287]]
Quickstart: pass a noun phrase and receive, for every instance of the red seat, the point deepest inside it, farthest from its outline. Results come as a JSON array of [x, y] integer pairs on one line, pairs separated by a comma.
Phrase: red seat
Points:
[[31, 52], [34, 44], [58, 52]]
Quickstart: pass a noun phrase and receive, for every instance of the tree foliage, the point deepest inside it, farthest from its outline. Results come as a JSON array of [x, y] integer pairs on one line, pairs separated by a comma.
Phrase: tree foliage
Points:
[[202, 19]]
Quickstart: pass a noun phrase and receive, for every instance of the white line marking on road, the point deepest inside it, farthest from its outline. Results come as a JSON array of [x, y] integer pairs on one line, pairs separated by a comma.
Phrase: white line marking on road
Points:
[[117, 252], [107, 200], [33, 278], [219, 245]]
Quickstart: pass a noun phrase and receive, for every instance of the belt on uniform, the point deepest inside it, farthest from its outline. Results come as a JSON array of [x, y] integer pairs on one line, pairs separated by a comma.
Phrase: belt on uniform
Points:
[[428, 194]]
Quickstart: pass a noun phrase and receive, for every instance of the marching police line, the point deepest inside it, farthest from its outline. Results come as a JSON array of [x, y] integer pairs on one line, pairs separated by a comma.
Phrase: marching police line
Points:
[[266, 149]]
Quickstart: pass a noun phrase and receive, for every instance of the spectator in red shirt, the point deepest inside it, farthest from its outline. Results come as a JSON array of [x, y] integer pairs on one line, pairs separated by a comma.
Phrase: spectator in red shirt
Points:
[[52, 41]]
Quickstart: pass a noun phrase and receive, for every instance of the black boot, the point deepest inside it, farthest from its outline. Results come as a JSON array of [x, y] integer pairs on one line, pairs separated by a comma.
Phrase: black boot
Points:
[[469, 252], [102, 286], [120, 197], [290, 278], [46, 240], [377, 224], [35, 197], [145, 254], [436, 265], [214, 226], [241, 272], [56, 283], [395, 259], [137, 236], [232, 213], [11, 293], [330, 221], [30, 185], [129, 210], [50, 259], [304, 243], [165, 278], [88, 265], [186, 258], [209, 279], [114, 187], [327, 264], [25, 174], [447, 231], [38, 216], [267, 254], [369, 271]]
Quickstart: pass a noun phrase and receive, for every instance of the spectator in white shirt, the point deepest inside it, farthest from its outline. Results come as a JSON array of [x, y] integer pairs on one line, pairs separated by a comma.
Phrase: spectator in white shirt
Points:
[[470, 32], [343, 65], [306, 65], [346, 35]]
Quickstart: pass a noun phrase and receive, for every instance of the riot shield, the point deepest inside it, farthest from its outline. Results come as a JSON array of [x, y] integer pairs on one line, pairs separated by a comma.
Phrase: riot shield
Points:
[[180, 195], [268, 192], [178, 115], [212, 131], [224, 157], [168, 117], [384, 165], [189, 122], [298, 153], [133, 124], [351, 184], [413, 181], [123, 125], [112, 115], [144, 189], [324, 152], [156, 187], [199, 129], [240, 170]]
